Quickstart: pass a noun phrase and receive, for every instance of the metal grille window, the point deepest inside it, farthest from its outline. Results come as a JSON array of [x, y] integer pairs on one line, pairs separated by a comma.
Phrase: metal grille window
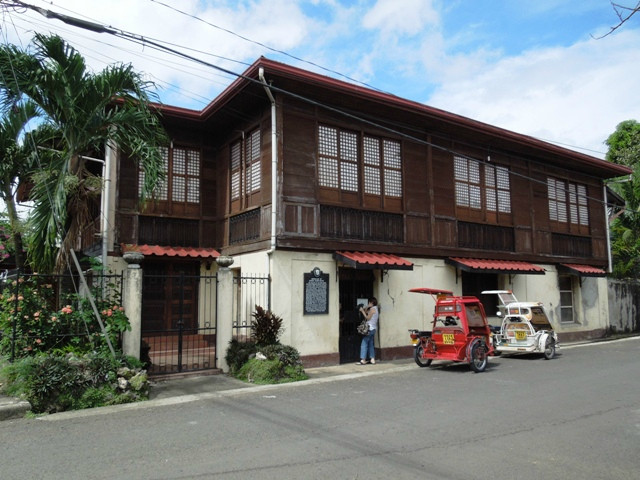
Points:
[[567, 202], [182, 176], [481, 186]]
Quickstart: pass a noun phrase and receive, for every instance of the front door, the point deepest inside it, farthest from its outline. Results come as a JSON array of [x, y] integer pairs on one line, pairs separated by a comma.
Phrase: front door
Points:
[[354, 285], [169, 294]]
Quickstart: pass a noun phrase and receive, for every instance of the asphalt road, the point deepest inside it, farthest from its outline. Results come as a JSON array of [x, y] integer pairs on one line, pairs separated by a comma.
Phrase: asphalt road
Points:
[[574, 417]]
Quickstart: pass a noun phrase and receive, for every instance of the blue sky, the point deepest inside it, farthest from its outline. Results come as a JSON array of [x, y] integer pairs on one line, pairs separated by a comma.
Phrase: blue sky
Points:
[[532, 66]]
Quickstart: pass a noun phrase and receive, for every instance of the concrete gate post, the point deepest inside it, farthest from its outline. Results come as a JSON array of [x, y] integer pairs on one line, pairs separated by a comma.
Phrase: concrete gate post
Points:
[[224, 327], [132, 300]]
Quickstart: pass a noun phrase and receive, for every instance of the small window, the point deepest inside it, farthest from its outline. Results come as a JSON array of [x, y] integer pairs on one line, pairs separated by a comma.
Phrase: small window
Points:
[[182, 176], [565, 283], [482, 186], [567, 202]]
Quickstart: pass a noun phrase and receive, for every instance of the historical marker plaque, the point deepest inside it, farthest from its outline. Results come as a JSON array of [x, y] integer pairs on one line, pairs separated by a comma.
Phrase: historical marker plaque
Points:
[[316, 292]]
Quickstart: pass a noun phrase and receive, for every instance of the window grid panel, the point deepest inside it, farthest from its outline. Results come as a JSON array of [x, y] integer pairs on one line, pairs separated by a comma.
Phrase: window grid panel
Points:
[[349, 177], [328, 141], [371, 180], [393, 183], [474, 172], [348, 146], [371, 151], [193, 190], [328, 172], [178, 191], [179, 160], [475, 198], [490, 198], [504, 201], [462, 194], [460, 169], [392, 155]]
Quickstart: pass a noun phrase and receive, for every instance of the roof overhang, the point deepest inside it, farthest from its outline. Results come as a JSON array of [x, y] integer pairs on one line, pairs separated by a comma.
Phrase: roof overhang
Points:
[[581, 270], [164, 251], [373, 261], [495, 266]]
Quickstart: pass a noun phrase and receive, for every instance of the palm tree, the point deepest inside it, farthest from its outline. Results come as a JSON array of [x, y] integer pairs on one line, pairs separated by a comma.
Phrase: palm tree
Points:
[[85, 110], [14, 164]]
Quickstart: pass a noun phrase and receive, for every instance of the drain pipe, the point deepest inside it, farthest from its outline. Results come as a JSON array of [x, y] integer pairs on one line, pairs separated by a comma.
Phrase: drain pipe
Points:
[[606, 224], [274, 169]]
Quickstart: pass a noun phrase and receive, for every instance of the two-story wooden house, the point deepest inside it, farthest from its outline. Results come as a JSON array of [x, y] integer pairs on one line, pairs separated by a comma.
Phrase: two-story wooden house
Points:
[[340, 192]]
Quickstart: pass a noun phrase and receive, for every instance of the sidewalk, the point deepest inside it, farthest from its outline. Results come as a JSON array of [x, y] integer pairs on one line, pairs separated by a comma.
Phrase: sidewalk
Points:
[[194, 385], [174, 390]]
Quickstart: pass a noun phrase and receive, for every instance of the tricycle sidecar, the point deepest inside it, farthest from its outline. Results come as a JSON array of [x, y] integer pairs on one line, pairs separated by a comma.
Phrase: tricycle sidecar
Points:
[[525, 327], [460, 332]]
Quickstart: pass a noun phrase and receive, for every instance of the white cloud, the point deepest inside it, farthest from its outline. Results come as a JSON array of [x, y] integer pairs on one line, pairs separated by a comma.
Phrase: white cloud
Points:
[[573, 95]]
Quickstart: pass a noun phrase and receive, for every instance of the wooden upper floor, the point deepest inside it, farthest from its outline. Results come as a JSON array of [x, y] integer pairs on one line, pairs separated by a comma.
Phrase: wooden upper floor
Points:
[[359, 166]]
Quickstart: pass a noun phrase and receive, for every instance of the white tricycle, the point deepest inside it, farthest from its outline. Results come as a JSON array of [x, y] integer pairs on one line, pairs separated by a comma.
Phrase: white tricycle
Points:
[[525, 327]]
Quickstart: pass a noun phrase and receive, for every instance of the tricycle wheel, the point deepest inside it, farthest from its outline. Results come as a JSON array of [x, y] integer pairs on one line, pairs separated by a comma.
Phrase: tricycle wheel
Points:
[[549, 348], [422, 362], [478, 357]]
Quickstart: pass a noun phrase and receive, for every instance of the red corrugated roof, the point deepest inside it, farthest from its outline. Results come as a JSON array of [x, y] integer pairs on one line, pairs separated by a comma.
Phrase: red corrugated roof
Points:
[[163, 251], [495, 266], [584, 270], [369, 260]]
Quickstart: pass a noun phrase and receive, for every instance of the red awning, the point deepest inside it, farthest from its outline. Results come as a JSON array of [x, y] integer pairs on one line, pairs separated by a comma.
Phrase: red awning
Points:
[[582, 270], [371, 261], [495, 266], [162, 251]]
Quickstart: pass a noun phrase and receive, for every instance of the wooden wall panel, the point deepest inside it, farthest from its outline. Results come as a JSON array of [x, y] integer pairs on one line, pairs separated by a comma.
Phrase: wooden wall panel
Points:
[[418, 230], [445, 233], [417, 179], [299, 157]]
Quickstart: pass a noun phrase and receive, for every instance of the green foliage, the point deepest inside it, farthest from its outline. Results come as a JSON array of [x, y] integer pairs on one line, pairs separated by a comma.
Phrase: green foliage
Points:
[[624, 148], [264, 360], [238, 353], [58, 382], [270, 371], [266, 326]]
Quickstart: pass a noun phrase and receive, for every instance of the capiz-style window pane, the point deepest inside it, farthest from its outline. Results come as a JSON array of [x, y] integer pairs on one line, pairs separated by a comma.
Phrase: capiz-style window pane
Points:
[[392, 156], [392, 183], [349, 177], [372, 181], [328, 172], [327, 141], [371, 151], [348, 146]]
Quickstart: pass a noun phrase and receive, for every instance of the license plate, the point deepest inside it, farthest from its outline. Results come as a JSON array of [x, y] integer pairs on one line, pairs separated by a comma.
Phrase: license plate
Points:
[[521, 335], [447, 338]]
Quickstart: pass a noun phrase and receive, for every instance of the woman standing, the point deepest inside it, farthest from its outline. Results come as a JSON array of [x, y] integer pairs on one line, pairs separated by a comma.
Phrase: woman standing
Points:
[[367, 347]]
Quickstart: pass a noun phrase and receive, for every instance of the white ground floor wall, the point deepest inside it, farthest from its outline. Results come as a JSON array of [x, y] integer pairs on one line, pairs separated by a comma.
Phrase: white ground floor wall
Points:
[[400, 310]]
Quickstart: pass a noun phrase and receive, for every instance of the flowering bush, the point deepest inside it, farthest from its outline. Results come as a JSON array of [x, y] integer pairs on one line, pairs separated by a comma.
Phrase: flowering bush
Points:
[[30, 321]]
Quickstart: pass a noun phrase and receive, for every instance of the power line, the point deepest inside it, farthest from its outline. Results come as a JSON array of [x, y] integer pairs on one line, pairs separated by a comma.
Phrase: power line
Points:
[[148, 42]]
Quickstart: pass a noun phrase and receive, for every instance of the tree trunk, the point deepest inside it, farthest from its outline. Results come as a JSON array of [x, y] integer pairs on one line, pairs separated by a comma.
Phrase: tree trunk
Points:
[[14, 221]]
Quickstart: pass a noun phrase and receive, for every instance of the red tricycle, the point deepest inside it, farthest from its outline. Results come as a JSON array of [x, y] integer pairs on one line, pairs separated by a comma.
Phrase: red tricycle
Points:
[[460, 331]]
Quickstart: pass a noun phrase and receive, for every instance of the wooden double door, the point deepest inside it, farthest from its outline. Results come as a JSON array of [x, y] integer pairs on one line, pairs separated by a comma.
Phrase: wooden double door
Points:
[[169, 296]]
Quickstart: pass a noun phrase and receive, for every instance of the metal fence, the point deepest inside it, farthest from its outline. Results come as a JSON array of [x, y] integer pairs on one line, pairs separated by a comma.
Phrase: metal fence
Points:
[[43, 312], [248, 291]]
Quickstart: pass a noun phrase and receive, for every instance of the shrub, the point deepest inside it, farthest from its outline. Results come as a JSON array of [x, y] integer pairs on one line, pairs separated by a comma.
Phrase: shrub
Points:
[[65, 381], [266, 326], [238, 353]]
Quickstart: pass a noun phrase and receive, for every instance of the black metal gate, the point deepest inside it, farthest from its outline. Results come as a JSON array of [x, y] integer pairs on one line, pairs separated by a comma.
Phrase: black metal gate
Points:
[[248, 291], [179, 322]]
